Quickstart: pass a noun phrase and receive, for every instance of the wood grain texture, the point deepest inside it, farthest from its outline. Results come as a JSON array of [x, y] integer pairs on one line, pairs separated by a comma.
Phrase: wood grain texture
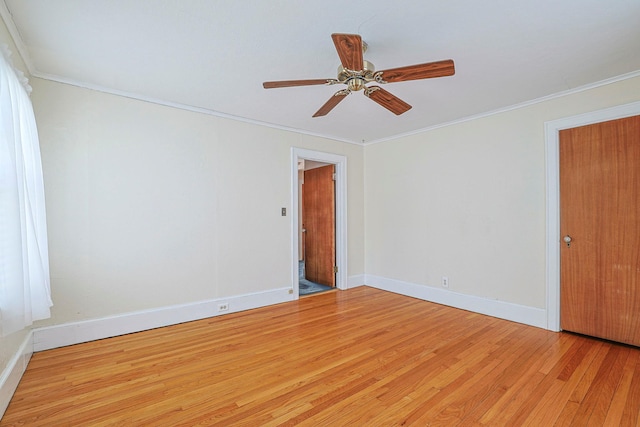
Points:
[[361, 357], [419, 71], [600, 210], [319, 221], [388, 100], [331, 103], [291, 83], [349, 47]]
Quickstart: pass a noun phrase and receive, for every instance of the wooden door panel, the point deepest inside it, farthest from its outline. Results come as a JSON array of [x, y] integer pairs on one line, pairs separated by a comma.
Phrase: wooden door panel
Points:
[[319, 222], [599, 209]]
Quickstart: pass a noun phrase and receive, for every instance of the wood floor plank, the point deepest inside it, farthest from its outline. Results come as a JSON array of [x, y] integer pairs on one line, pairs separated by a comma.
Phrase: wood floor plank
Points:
[[631, 413], [595, 405], [616, 410], [518, 392], [357, 357], [554, 400], [514, 362]]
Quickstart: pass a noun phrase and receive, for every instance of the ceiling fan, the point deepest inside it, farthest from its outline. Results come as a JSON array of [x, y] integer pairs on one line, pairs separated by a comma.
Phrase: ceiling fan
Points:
[[355, 72]]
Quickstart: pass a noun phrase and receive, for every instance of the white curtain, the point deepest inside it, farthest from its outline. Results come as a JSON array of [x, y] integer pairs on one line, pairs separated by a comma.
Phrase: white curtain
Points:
[[25, 293]]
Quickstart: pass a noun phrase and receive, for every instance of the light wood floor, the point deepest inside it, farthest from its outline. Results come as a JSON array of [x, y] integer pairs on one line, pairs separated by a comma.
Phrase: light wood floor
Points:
[[361, 357]]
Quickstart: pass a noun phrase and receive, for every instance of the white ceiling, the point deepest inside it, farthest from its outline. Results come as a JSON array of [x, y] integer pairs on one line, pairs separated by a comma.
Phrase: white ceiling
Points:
[[213, 55]]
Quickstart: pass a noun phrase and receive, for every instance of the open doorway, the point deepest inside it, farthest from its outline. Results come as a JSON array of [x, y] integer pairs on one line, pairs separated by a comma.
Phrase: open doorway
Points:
[[318, 222], [316, 228]]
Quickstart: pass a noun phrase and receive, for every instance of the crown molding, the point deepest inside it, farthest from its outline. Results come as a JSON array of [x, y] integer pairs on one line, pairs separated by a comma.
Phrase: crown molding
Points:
[[201, 110], [579, 89], [181, 106]]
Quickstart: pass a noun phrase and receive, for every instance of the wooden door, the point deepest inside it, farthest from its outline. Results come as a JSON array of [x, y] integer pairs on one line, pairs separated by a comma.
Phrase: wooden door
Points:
[[600, 212], [318, 219]]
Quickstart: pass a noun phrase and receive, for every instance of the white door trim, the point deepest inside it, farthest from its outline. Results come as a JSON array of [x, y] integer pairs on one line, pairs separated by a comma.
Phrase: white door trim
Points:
[[552, 129], [340, 163]]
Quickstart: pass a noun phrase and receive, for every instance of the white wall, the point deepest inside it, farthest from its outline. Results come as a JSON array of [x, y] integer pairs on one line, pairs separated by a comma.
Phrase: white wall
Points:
[[467, 201], [150, 206]]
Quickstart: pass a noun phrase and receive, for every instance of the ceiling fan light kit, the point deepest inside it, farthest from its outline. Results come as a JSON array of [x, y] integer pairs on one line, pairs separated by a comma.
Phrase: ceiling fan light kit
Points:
[[355, 72]]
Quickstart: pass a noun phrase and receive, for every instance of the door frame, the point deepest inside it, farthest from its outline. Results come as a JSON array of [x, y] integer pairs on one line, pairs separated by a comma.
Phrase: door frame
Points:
[[552, 144], [340, 163]]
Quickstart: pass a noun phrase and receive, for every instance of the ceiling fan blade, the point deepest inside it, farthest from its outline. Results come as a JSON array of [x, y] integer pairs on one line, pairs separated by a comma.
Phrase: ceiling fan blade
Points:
[[349, 47], [290, 83], [387, 100], [417, 72], [332, 102]]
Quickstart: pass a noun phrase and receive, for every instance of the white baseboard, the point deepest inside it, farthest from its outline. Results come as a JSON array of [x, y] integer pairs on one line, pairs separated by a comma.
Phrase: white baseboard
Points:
[[10, 377], [355, 281], [77, 332], [49, 337], [89, 330], [504, 310]]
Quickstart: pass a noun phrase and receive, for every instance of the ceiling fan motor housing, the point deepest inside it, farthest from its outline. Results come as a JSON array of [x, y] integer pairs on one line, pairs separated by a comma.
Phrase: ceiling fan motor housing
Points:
[[356, 79]]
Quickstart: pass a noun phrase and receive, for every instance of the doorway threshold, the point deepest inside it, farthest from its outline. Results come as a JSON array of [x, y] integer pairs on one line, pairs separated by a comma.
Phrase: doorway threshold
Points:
[[307, 287]]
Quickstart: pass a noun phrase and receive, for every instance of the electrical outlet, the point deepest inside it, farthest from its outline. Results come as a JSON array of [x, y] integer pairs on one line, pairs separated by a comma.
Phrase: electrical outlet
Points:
[[223, 307], [445, 282]]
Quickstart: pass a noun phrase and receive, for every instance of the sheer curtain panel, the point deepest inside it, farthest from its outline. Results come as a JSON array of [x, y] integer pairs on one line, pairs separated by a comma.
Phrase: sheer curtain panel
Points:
[[25, 293]]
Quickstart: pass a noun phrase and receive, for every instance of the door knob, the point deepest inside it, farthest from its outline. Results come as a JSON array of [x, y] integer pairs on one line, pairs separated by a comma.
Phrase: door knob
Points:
[[567, 239]]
